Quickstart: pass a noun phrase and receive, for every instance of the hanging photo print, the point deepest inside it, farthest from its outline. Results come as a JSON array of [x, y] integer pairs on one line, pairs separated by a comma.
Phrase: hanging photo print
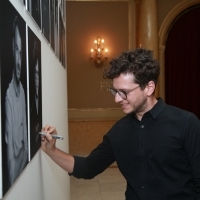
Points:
[[35, 93], [35, 11], [14, 131]]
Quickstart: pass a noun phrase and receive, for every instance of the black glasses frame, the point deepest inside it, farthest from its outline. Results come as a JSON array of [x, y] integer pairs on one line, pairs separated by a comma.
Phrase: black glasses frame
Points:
[[121, 93]]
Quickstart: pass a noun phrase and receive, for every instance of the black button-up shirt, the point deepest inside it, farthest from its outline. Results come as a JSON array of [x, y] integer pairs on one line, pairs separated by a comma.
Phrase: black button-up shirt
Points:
[[159, 156]]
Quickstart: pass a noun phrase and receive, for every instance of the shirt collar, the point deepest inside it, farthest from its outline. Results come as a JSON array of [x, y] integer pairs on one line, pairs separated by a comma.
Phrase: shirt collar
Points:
[[158, 108]]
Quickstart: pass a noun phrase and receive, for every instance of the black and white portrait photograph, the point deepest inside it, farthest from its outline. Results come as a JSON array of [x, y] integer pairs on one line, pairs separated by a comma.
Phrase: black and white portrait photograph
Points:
[[13, 95], [62, 7], [64, 12], [52, 18], [45, 19], [35, 93], [61, 40], [56, 43], [35, 11]]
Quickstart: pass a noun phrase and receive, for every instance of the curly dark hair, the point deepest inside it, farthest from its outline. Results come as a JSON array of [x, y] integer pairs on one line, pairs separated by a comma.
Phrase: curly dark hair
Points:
[[140, 62]]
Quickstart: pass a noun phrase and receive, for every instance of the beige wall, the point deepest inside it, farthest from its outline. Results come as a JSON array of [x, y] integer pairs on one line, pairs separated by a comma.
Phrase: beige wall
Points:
[[87, 134], [86, 21]]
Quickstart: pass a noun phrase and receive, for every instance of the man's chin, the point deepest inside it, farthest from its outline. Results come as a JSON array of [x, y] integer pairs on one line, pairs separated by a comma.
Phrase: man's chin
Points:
[[127, 111]]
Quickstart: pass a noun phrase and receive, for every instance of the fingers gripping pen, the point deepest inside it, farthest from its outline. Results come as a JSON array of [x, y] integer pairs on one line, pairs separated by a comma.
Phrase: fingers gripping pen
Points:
[[53, 136]]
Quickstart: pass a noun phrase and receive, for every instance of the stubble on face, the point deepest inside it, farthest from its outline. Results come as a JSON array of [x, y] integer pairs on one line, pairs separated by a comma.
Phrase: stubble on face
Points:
[[140, 105], [136, 101]]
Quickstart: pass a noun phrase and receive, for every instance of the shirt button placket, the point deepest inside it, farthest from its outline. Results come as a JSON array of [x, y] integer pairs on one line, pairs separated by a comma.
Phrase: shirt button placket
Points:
[[142, 154]]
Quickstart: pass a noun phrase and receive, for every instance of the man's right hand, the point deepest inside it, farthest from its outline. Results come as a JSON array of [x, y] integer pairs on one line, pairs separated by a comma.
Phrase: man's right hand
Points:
[[47, 142], [48, 145]]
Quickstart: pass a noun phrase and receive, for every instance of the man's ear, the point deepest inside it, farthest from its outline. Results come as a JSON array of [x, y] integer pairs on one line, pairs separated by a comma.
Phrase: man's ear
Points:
[[150, 88]]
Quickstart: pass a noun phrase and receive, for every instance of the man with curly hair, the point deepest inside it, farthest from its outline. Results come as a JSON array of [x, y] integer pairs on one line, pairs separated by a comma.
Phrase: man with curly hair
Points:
[[156, 146], [15, 113]]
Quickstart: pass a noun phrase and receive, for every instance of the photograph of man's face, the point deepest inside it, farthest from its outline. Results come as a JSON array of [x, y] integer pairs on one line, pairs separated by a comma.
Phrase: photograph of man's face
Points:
[[17, 53], [35, 93], [14, 128]]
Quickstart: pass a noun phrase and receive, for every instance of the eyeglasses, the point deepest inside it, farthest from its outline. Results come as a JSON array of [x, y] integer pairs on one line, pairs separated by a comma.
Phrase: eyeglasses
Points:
[[122, 94]]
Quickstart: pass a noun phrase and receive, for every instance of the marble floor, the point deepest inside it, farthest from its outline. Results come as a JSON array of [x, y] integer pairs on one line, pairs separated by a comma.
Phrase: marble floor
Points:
[[109, 185]]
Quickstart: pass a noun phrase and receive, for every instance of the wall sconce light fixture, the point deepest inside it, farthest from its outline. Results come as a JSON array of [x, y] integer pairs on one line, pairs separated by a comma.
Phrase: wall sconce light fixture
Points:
[[99, 53]]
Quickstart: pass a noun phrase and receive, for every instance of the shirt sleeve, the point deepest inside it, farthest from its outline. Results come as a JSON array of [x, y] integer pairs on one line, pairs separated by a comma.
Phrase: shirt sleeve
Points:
[[98, 160], [192, 148]]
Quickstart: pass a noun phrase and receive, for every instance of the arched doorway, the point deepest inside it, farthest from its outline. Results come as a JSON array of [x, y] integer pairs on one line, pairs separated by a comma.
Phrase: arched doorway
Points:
[[182, 63]]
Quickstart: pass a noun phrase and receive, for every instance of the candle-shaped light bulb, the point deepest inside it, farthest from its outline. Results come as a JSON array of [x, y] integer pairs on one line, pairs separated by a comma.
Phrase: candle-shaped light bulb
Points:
[[106, 53], [95, 44], [99, 52], [92, 50], [102, 43]]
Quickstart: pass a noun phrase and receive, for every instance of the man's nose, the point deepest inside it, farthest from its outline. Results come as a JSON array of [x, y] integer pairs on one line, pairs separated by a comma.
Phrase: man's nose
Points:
[[118, 98], [19, 60]]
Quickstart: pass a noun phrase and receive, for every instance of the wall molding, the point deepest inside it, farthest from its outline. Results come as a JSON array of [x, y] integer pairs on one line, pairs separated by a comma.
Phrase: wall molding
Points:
[[94, 113]]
